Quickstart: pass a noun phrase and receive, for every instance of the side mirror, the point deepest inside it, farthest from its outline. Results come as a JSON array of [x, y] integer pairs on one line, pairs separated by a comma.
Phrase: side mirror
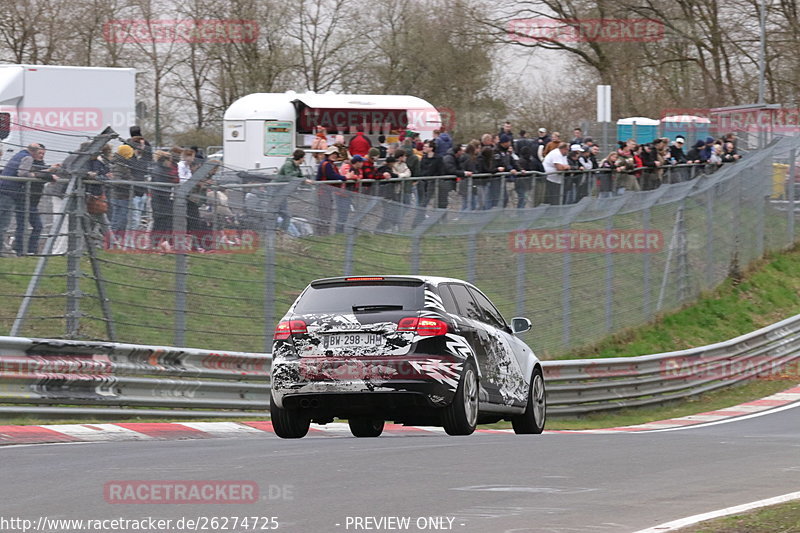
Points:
[[520, 325]]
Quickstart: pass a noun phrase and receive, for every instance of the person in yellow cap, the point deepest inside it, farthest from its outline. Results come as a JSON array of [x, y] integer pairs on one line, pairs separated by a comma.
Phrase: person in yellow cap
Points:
[[121, 166]]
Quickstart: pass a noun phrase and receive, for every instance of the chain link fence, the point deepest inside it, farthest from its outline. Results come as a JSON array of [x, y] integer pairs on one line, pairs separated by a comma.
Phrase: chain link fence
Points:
[[214, 261]]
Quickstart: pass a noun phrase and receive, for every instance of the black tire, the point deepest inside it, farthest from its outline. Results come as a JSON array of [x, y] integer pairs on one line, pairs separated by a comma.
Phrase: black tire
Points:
[[533, 419], [288, 423], [365, 427], [461, 416]]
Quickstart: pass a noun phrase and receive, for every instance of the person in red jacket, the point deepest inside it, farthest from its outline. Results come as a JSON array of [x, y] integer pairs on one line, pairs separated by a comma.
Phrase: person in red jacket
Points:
[[359, 144]]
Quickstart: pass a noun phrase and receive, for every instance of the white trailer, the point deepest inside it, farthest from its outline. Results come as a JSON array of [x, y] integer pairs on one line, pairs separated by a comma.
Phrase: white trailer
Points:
[[62, 106], [261, 130]]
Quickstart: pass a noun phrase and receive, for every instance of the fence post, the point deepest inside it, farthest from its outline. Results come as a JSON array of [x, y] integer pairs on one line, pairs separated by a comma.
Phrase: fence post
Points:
[[270, 265], [26, 215], [182, 242], [364, 207], [646, 260], [472, 256], [74, 164], [521, 300], [566, 295], [790, 194], [761, 206], [710, 238], [683, 258], [74, 254], [609, 303]]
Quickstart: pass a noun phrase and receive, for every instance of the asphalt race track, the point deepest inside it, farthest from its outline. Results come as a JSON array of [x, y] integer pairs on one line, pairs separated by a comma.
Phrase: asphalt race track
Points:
[[560, 482]]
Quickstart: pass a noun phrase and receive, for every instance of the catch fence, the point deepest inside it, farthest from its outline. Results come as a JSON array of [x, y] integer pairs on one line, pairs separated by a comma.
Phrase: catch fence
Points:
[[240, 248]]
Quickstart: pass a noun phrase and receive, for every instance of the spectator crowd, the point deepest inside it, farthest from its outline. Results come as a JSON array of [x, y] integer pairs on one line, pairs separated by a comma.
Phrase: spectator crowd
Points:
[[497, 170], [502, 169]]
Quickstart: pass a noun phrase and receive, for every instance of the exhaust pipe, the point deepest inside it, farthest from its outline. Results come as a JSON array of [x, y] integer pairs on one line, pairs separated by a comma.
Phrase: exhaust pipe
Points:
[[306, 403]]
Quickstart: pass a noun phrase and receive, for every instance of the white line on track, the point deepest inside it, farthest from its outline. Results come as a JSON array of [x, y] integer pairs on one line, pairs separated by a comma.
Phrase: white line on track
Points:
[[690, 520], [725, 421]]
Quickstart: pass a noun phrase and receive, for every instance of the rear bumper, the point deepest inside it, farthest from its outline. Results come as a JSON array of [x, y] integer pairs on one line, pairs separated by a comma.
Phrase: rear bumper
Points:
[[336, 386]]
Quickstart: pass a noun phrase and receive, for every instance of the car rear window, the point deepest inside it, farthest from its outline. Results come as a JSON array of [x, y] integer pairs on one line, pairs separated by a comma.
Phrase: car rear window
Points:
[[342, 298]]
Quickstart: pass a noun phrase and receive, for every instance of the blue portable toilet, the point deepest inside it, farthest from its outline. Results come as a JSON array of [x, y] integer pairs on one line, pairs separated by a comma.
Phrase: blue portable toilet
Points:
[[641, 129], [691, 127]]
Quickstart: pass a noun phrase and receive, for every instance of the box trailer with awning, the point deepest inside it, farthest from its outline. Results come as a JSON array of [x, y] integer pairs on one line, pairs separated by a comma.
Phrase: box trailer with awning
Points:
[[261, 130]]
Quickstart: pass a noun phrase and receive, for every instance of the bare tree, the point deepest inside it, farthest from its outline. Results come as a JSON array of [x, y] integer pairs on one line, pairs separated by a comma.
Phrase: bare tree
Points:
[[327, 40], [158, 54]]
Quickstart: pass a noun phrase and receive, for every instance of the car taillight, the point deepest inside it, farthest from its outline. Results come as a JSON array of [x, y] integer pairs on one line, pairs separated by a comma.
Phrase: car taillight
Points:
[[425, 327], [288, 328]]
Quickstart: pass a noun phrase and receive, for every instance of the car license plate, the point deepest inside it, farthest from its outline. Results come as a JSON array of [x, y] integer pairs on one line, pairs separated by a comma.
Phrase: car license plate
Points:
[[352, 340]]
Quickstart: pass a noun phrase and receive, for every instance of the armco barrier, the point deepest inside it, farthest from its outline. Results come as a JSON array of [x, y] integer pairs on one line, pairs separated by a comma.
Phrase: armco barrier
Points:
[[85, 378], [59, 378]]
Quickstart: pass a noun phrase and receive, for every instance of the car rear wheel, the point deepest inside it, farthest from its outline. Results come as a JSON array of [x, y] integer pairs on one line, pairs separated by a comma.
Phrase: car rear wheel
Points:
[[365, 427], [533, 419], [461, 416], [288, 423]]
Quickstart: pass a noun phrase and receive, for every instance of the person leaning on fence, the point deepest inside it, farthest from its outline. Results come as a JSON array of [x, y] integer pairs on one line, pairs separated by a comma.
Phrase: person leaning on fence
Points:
[[695, 155], [624, 177], [412, 161], [429, 165], [606, 175], [729, 154], [504, 161], [27, 163], [140, 171], [222, 216], [369, 170], [291, 169], [121, 170], [164, 172], [99, 170], [389, 191], [452, 166], [353, 174], [573, 181], [484, 164], [467, 188], [523, 184], [555, 162], [327, 172]]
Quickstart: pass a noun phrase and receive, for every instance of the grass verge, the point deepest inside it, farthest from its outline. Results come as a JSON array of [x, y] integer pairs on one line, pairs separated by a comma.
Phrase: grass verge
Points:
[[766, 293], [784, 517]]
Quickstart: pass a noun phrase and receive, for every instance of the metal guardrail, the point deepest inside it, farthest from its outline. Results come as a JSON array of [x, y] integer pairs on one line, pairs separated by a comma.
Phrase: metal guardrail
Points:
[[96, 378], [584, 386], [62, 378]]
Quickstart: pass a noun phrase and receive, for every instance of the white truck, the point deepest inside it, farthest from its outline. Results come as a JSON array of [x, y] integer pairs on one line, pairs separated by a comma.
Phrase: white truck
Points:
[[261, 130], [61, 106]]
